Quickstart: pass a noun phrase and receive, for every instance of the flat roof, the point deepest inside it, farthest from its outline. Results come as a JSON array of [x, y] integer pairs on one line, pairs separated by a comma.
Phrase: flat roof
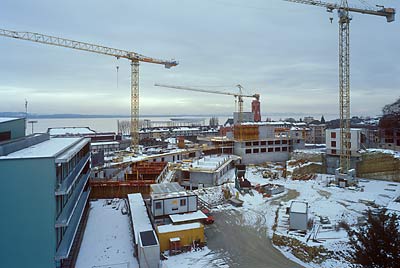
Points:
[[148, 238], [168, 228], [140, 218], [298, 207], [6, 119], [105, 143], [395, 206], [48, 148], [67, 155], [198, 215], [166, 188], [70, 130]]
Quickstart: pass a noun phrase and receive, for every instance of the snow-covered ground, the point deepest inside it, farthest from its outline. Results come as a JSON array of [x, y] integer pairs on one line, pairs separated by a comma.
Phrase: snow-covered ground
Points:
[[107, 239], [336, 204]]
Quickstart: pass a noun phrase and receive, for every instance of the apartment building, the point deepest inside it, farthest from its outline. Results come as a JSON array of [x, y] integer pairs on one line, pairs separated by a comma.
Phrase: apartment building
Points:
[[44, 200]]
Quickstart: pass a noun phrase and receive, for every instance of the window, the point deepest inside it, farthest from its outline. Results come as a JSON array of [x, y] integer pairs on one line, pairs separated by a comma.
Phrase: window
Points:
[[265, 143], [183, 202], [270, 149], [158, 205], [284, 149], [5, 136], [333, 135], [255, 143], [277, 149], [256, 151], [277, 142], [333, 151], [284, 142], [333, 143], [270, 142], [248, 143], [263, 150], [248, 151]]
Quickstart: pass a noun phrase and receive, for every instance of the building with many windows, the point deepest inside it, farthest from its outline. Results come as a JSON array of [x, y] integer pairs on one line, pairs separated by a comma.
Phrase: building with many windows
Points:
[[44, 200], [333, 141]]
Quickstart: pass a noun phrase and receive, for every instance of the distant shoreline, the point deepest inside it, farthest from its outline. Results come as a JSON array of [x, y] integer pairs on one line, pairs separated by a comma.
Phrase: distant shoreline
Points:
[[67, 116]]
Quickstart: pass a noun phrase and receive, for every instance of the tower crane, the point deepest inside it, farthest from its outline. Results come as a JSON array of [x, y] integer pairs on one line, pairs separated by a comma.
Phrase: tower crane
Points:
[[239, 95], [343, 11], [134, 58]]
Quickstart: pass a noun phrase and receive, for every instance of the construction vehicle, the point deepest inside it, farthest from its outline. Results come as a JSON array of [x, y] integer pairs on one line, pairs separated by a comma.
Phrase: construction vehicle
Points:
[[239, 96], [344, 66], [134, 57]]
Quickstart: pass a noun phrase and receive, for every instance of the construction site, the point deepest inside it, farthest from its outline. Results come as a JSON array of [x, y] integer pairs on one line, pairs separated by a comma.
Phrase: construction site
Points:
[[247, 192]]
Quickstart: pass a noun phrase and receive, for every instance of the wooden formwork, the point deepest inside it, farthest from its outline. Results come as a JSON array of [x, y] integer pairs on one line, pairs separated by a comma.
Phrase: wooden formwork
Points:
[[119, 189], [145, 171], [246, 132]]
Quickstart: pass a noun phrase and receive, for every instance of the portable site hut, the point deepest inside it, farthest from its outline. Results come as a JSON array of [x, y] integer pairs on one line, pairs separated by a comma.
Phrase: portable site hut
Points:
[[187, 234], [147, 248], [170, 198], [298, 216]]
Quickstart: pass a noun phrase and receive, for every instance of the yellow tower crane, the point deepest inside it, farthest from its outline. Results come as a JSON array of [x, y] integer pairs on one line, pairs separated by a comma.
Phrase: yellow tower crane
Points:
[[344, 10], [239, 95], [134, 57]]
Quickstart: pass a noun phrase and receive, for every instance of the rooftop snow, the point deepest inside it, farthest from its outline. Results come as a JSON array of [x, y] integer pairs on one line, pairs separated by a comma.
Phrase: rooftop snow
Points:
[[67, 155], [70, 131], [104, 143], [395, 206], [106, 241], [49, 148], [166, 188], [139, 216], [198, 215], [298, 207], [6, 119], [211, 162], [176, 228]]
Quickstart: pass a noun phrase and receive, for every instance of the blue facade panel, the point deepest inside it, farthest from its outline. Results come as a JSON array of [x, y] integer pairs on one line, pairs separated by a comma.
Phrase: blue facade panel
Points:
[[15, 126], [27, 205]]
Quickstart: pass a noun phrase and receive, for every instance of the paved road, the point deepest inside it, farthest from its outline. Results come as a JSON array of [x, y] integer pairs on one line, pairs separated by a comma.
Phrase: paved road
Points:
[[241, 245]]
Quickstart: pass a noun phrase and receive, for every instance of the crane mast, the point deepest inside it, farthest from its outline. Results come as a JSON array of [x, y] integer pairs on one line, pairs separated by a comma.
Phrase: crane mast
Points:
[[134, 57], [344, 67], [239, 95]]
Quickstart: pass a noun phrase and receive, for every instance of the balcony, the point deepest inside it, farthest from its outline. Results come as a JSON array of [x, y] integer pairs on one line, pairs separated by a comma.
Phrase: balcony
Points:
[[72, 203], [69, 235], [65, 187]]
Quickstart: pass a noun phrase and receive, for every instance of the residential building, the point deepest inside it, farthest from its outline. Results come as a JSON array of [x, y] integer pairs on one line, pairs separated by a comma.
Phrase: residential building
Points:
[[12, 128], [44, 199], [316, 134], [333, 141]]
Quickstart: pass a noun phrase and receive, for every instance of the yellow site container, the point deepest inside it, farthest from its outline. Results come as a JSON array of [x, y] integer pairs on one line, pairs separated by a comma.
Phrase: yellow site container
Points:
[[188, 233]]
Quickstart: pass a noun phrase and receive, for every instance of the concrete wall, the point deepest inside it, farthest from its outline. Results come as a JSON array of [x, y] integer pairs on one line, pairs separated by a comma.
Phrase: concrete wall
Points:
[[16, 126], [27, 205], [208, 179]]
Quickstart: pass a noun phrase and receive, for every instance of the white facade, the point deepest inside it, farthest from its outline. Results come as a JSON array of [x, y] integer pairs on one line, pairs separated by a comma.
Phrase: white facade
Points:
[[173, 203], [333, 141], [148, 250]]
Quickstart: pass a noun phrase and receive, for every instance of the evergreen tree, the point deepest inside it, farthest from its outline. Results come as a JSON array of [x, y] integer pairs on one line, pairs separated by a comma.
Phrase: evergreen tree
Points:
[[376, 244], [322, 120]]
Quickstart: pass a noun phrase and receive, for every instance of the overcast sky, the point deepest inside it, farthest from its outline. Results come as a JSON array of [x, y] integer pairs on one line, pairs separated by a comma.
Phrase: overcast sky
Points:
[[285, 51]]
